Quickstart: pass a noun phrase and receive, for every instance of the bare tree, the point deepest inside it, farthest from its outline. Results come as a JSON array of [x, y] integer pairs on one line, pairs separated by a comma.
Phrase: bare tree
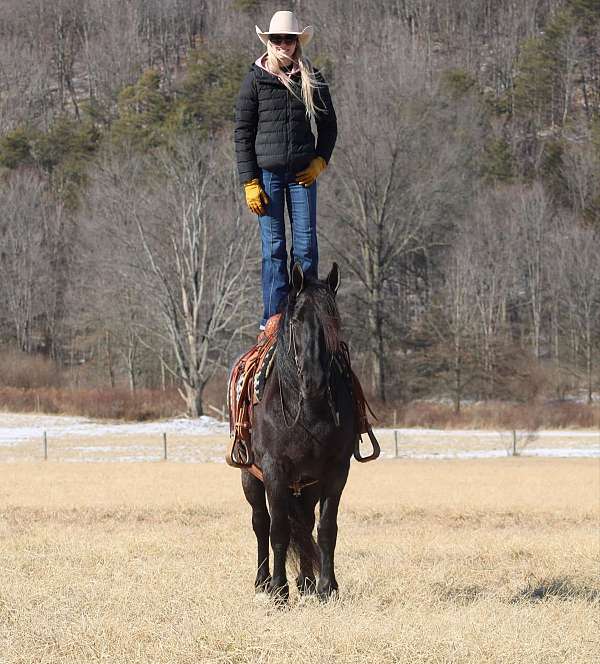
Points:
[[531, 213], [452, 321], [579, 265], [184, 242], [27, 221], [491, 233], [580, 171]]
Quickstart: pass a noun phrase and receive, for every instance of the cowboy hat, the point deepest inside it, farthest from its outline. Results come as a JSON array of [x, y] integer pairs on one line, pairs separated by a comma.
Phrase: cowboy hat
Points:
[[285, 23]]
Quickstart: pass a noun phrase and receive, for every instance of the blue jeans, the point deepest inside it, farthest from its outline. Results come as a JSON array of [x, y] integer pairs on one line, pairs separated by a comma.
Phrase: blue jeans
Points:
[[301, 202]]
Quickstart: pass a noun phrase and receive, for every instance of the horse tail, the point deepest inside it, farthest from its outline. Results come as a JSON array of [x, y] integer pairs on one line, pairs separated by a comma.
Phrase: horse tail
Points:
[[302, 542]]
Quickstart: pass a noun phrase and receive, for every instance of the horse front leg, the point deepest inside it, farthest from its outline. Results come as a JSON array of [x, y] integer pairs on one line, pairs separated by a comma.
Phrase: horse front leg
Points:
[[254, 491], [306, 581], [331, 494], [277, 493]]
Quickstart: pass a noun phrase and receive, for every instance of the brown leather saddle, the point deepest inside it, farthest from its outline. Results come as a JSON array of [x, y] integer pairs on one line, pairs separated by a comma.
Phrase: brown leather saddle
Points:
[[245, 389], [246, 384]]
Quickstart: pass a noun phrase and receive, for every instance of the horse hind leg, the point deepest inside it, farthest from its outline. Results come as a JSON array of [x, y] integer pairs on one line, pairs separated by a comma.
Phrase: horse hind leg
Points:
[[254, 491]]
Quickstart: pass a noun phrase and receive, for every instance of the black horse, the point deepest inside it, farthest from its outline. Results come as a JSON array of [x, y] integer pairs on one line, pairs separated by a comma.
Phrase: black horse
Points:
[[304, 433]]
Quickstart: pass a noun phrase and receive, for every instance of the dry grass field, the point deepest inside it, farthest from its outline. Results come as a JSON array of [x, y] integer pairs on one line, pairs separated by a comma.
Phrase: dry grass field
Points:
[[438, 561]]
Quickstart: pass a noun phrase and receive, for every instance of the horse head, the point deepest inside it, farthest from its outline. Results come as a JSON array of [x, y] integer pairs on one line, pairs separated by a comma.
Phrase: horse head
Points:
[[312, 329]]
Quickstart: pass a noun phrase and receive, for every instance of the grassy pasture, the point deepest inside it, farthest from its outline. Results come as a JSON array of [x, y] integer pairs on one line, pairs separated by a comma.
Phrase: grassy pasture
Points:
[[438, 561]]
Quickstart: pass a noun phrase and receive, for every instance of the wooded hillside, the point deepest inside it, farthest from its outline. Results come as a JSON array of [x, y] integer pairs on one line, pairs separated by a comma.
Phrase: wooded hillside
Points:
[[462, 201]]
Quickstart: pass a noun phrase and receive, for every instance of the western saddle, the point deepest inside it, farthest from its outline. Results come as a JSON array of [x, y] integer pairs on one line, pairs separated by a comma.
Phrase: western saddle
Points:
[[246, 387]]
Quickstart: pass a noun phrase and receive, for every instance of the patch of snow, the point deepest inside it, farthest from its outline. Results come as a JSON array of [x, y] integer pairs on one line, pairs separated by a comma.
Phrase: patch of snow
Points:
[[32, 427], [487, 433], [558, 452], [589, 452]]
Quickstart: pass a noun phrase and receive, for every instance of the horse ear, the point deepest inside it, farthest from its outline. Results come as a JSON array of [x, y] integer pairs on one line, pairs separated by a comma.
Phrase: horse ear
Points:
[[334, 279], [297, 278]]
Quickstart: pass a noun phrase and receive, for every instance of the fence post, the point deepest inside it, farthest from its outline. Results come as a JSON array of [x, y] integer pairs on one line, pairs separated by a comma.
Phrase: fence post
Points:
[[514, 443], [45, 447], [396, 442], [164, 446]]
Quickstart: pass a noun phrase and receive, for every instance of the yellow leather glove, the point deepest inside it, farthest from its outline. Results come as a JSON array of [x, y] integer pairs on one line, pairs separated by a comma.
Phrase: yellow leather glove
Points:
[[256, 198], [311, 172]]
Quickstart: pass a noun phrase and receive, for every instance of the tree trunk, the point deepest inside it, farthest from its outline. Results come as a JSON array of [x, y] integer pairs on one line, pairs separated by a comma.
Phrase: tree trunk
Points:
[[163, 381], [131, 372], [589, 361], [109, 361], [193, 400], [377, 352], [131, 362], [379, 372], [457, 379]]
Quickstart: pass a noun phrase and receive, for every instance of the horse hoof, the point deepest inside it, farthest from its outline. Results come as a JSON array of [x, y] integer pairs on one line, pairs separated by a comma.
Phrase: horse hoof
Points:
[[327, 591], [261, 585], [279, 594]]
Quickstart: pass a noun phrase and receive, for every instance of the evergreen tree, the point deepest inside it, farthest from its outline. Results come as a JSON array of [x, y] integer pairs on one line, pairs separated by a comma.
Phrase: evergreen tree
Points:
[[206, 96], [142, 110], [15, 148]]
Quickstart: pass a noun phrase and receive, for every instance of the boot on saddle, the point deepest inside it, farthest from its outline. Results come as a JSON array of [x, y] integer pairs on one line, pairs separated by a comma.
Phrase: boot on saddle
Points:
[[270, 330]]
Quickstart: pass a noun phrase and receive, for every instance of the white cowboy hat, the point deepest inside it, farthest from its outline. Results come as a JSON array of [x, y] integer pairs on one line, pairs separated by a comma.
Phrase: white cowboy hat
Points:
[[285, 23]]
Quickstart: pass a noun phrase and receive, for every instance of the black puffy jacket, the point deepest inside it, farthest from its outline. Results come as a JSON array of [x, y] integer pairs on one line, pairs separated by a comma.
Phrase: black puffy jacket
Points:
[[272, 130]]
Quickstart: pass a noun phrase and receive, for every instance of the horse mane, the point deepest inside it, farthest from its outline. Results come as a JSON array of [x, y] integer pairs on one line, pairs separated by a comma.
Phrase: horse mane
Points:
[[327, 314]]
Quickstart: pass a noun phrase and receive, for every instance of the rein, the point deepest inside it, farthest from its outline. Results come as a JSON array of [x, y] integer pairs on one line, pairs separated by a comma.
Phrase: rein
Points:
[[293, 424], [291, 345]]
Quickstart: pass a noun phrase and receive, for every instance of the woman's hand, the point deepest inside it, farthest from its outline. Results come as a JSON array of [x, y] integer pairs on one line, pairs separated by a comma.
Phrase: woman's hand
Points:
[[311, 172], [256, 198]]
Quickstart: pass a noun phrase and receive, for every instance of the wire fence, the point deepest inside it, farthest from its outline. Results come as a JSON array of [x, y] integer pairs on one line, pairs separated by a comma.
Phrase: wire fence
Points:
[[395, 444]]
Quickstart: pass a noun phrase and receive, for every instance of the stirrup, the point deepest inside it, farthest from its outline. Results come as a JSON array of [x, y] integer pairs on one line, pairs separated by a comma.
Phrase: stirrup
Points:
[[374, 443], [239, 454]]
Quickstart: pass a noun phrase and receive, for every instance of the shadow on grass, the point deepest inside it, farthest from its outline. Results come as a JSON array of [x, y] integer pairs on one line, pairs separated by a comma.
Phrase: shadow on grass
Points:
[[461, 595], [538, 590]]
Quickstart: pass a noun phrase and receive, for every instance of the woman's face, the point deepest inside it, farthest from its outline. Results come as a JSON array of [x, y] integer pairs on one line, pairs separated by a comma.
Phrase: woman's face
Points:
[[284, 45]]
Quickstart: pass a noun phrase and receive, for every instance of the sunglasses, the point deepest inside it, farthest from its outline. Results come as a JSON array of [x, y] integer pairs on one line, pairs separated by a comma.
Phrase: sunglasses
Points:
[[286, 39]]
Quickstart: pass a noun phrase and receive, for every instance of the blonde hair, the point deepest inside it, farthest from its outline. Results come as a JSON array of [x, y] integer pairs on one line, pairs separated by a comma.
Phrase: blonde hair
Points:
[[308, 80]]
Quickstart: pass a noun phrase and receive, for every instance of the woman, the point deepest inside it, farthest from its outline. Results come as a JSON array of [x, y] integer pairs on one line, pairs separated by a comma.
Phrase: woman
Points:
[[277, 158]]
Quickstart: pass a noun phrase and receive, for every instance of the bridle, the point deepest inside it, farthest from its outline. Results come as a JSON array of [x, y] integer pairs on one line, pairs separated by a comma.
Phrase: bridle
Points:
[[292, 347]]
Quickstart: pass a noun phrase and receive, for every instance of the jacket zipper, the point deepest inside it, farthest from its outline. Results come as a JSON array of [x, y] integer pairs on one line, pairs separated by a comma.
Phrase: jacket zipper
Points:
[[287, 129]]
